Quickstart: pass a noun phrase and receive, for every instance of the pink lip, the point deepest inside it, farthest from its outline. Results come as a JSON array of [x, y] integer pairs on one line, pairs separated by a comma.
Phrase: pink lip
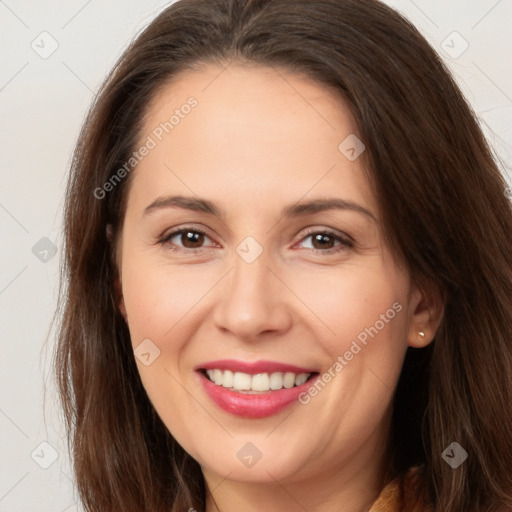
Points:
[[252, 368], [248, 405]]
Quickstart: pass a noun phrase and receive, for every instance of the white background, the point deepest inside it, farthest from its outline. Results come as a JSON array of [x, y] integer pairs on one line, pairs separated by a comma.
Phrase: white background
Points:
[[42, 105]]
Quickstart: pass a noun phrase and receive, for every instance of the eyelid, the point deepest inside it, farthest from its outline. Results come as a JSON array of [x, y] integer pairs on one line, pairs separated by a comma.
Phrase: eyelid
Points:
[[328, 231], [165, 238], [344, 239]]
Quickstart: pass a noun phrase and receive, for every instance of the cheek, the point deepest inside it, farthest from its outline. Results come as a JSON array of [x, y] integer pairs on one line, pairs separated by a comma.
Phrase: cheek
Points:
[[164, 304], [160, 298], [361, 328], [355, 303], [161, 301]]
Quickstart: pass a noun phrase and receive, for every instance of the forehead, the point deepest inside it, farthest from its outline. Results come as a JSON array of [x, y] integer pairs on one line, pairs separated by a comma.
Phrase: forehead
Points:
[[256, 99], [252, 131]]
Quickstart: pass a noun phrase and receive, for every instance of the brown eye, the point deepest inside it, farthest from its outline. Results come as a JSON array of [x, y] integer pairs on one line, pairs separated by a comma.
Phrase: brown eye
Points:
[[187, 239], [323, 241], [192, 239]]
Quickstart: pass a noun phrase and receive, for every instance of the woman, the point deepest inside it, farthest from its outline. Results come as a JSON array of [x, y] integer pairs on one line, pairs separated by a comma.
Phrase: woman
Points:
[[288, 272]]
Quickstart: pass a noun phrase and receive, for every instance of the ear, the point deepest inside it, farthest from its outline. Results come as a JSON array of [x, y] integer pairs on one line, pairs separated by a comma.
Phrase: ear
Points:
[[120, 298], [117, 284], [427, 309]]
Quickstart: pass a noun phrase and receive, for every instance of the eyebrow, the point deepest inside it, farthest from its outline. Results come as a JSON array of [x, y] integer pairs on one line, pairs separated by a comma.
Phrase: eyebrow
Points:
[[298, 209]]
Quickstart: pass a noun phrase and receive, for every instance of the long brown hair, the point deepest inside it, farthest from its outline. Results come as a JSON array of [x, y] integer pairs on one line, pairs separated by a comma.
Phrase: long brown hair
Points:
[[445, 213]]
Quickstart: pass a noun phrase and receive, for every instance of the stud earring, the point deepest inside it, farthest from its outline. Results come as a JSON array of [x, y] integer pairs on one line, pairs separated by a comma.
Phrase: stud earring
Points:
[[421, 333]]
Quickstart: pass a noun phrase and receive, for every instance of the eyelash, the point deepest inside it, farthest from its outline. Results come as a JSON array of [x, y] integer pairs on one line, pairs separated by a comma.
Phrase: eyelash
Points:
[[344, 242]]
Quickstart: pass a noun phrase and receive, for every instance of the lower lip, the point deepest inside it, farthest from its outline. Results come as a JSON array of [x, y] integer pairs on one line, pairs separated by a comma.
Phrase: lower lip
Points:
[[258, 405]]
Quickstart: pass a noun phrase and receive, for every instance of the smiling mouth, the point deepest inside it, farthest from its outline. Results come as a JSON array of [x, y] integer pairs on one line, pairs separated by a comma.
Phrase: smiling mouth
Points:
[[246, 383]]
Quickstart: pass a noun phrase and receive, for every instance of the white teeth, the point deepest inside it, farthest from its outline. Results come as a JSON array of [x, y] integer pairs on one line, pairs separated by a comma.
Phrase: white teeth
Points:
[[227, 380], [276, 381], [260, 382], [241, 381], [217, 377], [300, 379], [289, 380]]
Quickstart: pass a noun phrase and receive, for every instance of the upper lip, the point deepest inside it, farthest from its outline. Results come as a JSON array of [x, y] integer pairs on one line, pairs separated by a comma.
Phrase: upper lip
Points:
[[252, 367]]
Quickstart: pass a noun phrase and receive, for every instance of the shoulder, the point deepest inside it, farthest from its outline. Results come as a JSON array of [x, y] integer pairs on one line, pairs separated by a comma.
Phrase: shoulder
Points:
[[402, 493]]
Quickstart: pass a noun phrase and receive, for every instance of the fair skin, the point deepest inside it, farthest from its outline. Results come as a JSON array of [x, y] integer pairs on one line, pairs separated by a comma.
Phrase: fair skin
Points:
[[258, 141]]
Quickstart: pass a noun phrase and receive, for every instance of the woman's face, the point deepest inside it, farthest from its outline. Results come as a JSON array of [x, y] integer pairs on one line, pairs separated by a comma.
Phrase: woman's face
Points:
[[281, 262]]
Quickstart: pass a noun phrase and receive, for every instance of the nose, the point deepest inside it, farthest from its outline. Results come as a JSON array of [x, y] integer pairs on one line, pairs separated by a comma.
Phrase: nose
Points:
[[252, 301]]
